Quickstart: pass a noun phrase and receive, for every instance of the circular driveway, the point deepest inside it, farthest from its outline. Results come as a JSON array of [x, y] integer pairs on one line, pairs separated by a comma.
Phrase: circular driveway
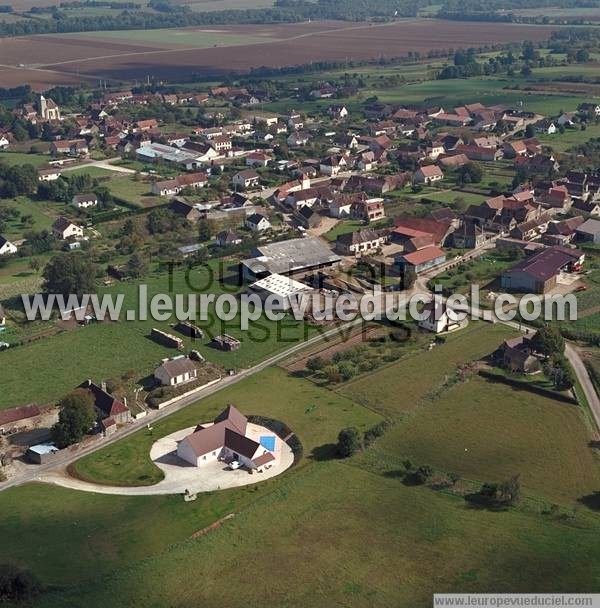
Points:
[[180, 476]]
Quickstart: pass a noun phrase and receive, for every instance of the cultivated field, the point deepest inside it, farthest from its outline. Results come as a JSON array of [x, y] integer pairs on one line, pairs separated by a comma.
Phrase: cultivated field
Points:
[[122, 56]]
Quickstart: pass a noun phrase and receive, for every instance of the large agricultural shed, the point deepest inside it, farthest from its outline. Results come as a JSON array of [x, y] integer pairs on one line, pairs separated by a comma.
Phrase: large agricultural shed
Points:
[[288, 257]]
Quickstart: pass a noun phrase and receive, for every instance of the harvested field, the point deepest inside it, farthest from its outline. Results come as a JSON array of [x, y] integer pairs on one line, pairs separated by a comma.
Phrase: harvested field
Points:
[[83, 57]]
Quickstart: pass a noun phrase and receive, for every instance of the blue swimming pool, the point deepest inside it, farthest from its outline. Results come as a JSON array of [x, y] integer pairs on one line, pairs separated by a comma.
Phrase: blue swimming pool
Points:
[[268, 442]]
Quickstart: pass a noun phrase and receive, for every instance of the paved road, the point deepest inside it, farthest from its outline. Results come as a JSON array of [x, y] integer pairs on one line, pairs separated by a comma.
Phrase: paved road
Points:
[[574, 357]]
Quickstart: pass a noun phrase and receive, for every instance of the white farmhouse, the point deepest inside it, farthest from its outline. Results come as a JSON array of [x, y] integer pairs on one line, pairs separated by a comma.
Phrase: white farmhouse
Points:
[[83, 201], [65, 229], [176, 371], [439, 318], [225, 439], [6, 247]]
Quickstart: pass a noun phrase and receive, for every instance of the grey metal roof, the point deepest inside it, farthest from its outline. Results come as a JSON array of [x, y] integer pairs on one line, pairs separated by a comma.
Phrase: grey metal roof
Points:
[[590, 227], [289, 256]]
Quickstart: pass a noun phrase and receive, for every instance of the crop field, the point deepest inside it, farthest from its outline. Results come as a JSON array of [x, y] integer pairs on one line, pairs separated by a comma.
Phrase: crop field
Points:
[[188, 37], [126, 56]]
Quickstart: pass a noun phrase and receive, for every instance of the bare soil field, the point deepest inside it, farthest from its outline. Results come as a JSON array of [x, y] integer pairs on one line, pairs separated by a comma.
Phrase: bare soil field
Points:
[[71, 57]]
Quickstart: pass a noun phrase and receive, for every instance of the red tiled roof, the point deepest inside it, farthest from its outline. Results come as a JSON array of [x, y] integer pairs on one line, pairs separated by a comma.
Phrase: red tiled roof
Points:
[[424, 255]]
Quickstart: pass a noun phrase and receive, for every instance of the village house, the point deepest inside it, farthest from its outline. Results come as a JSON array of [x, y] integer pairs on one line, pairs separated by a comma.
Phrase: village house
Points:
[[333, 165], [6, 247], [298, 139], [144, 125], [228, 238], [428, 174], [226, 440], [360, 242], [65, 229], [519, 355], [222, 143], [437, 317], [174, 186], [84, 201], [589, 231], [246, 179], [479, 153], [181, 207], [468, 235], [74, 147], [307, 217], [257, 223], [105, 404], [48, 175], [420, 260], [562, 232], [531, 229], [257, 159], [453, 162], [337, 112], [4, 141], [370, 210], [176, 371]]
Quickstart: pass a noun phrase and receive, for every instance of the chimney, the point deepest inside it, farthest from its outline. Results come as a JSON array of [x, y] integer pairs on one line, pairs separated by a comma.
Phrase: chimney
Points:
[[125, 401], [103, 385]]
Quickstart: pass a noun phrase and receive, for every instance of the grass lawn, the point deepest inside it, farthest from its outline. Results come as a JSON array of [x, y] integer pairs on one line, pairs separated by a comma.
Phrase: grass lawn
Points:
[[106, 350], [314, 414], [481, 271], [347, 226], [394, 391], [22, 158], [121, 185], [42, 213], [490, 431], [327, 535]]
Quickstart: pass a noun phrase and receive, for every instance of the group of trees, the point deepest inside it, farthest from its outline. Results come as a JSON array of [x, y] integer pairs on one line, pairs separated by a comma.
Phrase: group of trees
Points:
[[75, 418], [70, 273], [18, 584], [350, 441], [499, 495], [17, 180], [550, 343]]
